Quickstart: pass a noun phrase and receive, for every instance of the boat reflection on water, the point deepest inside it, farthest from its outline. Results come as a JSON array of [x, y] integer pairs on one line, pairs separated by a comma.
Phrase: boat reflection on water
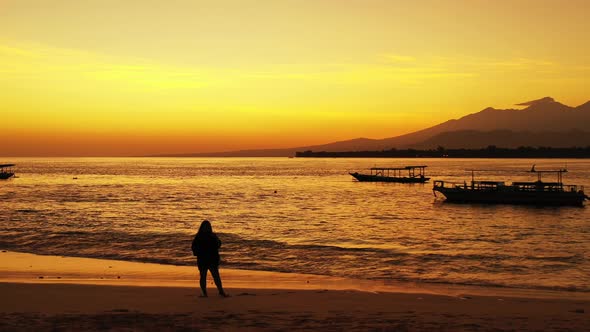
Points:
[[497, 192]]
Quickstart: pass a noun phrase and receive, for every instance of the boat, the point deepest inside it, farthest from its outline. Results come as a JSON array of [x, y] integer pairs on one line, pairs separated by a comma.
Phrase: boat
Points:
[[6, 171], [415, 174], [496, 192]]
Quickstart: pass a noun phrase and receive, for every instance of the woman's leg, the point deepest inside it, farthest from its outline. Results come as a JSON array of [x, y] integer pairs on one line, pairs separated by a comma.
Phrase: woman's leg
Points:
[[203, 280], [215, 273]]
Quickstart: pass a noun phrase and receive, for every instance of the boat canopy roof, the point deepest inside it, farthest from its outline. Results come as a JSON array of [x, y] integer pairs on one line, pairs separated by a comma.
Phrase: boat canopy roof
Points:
[[7, 165], [499, 183], [550, 171], [536, 183], [519, 171], [396, 168]]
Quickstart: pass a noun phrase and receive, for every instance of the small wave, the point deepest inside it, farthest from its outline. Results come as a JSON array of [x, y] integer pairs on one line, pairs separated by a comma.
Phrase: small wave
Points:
[[489, 284], [564, 259], [27, 211]]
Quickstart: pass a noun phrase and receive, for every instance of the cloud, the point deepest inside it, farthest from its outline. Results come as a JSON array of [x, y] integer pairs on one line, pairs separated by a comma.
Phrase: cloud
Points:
[[36, 61], [496, 64], [544, 100], [16, 51], [396, 58], [45, 63], [519, 63]]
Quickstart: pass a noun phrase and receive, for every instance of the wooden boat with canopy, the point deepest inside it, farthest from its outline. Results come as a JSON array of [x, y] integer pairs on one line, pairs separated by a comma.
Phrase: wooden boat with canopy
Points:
[[6, 171], [415, 174], [497, 192]]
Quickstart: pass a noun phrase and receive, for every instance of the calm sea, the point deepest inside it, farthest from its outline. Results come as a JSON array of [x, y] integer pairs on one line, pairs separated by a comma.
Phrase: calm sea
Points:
[[299, 215]]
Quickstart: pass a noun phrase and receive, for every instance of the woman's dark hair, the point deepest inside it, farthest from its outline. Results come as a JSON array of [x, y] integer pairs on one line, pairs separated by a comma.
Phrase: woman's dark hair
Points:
[[205, 227]]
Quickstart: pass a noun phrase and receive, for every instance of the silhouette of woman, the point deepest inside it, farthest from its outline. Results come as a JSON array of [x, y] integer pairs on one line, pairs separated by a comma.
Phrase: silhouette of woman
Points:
[[206, 247]]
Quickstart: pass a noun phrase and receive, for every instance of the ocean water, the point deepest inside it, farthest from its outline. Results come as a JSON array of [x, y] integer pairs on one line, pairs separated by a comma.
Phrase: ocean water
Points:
[[299, 215]]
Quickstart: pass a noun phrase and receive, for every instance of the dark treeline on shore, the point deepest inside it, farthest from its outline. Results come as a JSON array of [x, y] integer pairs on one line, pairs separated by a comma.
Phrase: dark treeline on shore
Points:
[[440, 152]]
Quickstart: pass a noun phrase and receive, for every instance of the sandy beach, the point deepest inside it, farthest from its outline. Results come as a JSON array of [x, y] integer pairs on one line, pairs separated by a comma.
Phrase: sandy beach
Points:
[[59, 293]]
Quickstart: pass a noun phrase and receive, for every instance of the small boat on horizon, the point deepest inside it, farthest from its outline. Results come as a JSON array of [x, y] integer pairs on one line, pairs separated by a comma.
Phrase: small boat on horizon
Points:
[[6, 171], [416, 174], [497, 192]]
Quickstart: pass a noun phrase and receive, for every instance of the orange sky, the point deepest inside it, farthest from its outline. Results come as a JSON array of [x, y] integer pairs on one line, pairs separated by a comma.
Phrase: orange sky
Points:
[[110, 78]]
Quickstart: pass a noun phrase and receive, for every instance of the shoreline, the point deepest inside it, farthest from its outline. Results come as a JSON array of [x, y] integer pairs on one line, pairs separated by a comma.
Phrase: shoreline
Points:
[[92, 294], [17, 267]]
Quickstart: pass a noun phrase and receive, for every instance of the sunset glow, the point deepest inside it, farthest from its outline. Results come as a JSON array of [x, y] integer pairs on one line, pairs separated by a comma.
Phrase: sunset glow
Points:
[[112, 78]]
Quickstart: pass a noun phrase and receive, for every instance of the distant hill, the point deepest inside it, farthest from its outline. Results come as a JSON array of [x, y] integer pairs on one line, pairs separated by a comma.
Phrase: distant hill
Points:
[[543, 122], [473, 139], [543, 116]]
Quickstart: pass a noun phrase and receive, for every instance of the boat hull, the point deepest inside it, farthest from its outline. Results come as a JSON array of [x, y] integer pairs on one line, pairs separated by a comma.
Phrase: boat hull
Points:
[[378, 178], [542, 198], [6, 175]]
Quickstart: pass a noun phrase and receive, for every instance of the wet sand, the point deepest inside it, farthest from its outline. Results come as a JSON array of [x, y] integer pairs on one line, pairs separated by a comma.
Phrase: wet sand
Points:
[[55, 293]]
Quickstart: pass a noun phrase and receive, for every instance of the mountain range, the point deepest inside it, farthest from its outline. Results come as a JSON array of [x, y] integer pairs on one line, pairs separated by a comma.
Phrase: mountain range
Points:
[[542, 122]]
